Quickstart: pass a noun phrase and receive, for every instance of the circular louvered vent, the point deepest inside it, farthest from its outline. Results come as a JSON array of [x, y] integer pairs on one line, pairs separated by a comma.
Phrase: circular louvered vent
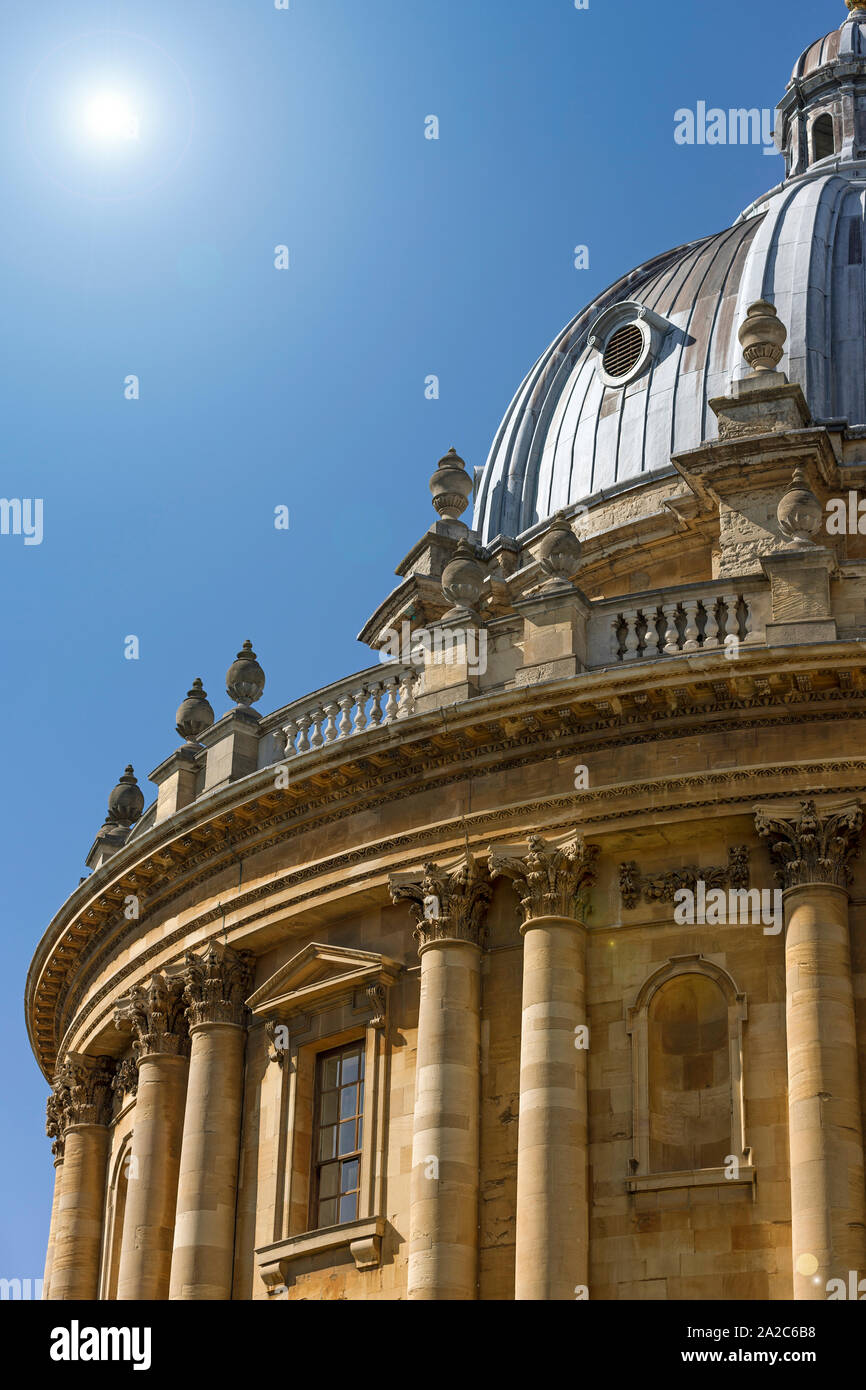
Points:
[[623, 351]]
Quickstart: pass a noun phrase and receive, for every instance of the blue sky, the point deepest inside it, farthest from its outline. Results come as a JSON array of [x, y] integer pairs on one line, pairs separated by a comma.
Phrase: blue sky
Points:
[[154, 256]]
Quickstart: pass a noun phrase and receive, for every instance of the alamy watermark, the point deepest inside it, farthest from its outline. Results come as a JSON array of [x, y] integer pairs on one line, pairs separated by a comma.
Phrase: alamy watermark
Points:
[[715, 126], [719, 907], [22, 516], [443, 646]]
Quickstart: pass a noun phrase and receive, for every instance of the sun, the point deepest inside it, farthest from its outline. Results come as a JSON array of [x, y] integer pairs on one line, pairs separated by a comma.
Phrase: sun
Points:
[[110, 118]]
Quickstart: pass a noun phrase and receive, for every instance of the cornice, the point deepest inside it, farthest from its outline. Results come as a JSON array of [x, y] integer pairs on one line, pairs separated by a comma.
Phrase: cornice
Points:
[[657, 700]]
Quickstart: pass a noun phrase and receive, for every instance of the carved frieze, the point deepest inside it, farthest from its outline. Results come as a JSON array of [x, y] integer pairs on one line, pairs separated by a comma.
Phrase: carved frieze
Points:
[[660, 888], [550, 879], [808, 846]]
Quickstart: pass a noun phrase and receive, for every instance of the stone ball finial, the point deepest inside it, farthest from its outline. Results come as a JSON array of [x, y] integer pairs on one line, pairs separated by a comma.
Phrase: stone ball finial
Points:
[[463, 579], [126, 802], [245, 679], [799, 513], [194, 714], [559, 552], [451, 486], [762, 335]]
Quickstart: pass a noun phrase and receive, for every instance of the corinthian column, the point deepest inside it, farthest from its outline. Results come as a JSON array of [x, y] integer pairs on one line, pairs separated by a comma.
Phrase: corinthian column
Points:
[[216, 984], [552, 882], [54, 1125], [155, 1014], [78, 1116], [448, 906], [828, 1203]]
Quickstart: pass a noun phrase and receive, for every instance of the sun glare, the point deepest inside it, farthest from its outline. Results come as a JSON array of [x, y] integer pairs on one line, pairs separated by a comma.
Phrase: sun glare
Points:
[[110, 118]]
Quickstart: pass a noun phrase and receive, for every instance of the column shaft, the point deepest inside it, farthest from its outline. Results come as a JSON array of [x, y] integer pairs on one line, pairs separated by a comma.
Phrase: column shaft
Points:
[[148, 1223], [828, 1203], [52, 1229], [201, 1265], [551, 1258], [78, 1235], [443, 1218]]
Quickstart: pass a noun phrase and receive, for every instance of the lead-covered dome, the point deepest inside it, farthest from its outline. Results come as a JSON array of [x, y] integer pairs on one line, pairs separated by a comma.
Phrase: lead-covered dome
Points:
[[628, 382], [848, 41]]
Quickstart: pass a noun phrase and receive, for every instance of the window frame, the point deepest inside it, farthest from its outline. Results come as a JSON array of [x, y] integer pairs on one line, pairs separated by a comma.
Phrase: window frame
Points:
[[356, 1155]]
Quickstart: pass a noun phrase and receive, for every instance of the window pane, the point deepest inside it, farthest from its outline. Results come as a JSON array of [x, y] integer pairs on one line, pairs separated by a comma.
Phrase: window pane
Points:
[[329, 1073], [328, 1212], [347, 1137], [349, 1207], [350, 1174], [327, 1143], [329, 1108], [351, 1066], [329, 1180], [348, 1102]]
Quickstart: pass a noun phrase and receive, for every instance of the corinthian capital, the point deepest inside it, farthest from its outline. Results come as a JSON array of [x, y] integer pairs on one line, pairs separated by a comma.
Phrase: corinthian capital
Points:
[[551, 880], [154, 1013], [82, 1096], [446, 903], [215, 984], [808, 846]]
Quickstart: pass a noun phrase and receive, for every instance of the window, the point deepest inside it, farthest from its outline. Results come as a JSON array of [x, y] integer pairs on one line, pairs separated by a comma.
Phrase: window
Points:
[[823, 140], [338, 1133]]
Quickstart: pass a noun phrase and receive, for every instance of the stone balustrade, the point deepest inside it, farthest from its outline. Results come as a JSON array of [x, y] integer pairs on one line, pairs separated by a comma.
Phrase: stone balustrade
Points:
[[675, 622], [369, 700]]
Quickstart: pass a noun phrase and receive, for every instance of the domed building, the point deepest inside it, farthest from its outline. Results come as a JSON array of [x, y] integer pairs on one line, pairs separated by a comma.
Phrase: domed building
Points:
[[530, 961]]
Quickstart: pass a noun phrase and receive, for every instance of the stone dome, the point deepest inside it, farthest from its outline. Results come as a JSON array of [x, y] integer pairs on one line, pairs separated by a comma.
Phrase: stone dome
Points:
[[628, 382]]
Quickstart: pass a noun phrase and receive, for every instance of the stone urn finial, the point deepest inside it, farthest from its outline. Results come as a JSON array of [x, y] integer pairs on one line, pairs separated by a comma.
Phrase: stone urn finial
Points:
[[762, 335], [126, 802], [559, 552], [245, 679], [462, 582], [451, 487], [799, 513], [194, 714]]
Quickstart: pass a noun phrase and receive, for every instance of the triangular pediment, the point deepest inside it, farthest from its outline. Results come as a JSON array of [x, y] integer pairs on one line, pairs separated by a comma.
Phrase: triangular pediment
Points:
[[317, 973]]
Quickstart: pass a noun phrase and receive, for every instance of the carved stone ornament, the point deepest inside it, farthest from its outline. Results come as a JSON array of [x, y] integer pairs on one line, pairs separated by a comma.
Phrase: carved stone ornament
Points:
[[55, 1123], [550, 880], [154, 1013], [82, 1095], [277, 1050], [799, 513], [378, 997], [808, 846], [459, 896], [661, 888], [762, 335], [215, 984], [125, 1081]]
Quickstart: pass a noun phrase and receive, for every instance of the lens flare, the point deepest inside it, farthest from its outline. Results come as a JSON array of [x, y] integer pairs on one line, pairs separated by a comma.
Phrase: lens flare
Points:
[[110, 118]]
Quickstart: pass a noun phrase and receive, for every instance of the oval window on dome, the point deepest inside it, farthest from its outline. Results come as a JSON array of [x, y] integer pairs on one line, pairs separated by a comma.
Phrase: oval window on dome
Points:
[[623, 351]]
